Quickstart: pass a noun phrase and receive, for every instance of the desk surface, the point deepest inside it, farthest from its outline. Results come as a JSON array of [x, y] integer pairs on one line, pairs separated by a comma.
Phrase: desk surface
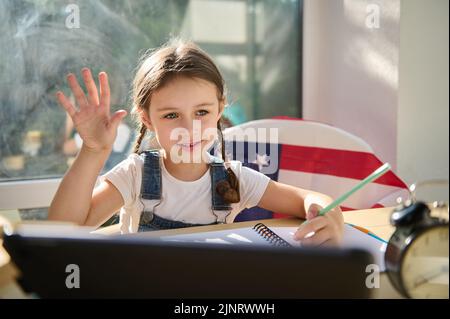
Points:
[[375, 220]]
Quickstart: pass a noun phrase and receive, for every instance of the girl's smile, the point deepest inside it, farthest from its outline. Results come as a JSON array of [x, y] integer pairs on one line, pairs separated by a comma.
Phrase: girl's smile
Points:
[[189, 147]]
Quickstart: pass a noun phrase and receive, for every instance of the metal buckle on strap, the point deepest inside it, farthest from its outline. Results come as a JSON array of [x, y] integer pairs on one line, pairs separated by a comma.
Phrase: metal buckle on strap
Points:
[[146, 217], [221, 215]]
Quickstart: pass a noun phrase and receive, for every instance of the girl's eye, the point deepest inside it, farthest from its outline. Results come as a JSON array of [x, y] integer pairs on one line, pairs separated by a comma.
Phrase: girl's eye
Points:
[[170, 116], [202, 112]]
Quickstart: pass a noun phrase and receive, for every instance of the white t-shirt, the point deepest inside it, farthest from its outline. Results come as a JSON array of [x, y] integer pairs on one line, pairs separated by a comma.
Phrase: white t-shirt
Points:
[[188, 202]]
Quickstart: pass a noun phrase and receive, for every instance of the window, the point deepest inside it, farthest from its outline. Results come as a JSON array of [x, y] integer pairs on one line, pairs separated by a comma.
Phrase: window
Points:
[[255, 44]]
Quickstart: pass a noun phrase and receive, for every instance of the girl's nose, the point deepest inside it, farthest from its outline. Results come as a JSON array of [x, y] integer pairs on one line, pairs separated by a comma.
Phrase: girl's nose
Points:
[[193, 126], [187, 123]]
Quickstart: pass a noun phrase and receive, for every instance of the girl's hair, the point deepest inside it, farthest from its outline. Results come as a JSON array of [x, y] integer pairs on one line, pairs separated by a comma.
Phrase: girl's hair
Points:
[[158, 68]]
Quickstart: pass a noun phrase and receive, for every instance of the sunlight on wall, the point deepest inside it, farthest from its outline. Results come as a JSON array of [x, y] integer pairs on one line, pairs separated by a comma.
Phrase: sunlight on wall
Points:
[[377, 55], [351, 70]]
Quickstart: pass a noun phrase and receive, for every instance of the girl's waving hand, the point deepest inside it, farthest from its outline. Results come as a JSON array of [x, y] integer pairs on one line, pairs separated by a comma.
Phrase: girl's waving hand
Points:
[[92, 120]]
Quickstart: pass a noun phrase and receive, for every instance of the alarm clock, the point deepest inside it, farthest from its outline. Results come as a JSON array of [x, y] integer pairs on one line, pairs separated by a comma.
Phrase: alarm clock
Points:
[[416, 255]]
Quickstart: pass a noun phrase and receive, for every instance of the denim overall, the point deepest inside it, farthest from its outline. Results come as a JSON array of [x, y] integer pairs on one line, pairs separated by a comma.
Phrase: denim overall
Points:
[[152, 185]]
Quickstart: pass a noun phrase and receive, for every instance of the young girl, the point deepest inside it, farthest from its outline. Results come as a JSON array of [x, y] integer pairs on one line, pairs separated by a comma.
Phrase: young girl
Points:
[[175, 88]]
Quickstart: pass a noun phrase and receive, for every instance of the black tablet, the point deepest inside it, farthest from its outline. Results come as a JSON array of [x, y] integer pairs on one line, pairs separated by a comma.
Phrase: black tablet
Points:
[[58, 263]]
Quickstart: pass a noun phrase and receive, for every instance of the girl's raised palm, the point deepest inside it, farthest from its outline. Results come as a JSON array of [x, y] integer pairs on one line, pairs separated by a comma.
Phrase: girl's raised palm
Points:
[[92, 120]]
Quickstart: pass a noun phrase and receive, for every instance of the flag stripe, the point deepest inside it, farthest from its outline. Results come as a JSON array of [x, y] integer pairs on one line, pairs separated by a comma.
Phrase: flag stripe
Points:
[[342, 163], [334, 187]]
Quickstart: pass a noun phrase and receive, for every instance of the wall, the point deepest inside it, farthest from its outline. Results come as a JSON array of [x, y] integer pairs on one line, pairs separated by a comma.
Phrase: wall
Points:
[[423, 125], [351, 71], [383, 84]]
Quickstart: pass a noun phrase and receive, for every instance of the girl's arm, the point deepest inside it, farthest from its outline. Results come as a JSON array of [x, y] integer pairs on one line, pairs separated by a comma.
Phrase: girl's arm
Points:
[[290, 200], [76, 200], [305, 204]]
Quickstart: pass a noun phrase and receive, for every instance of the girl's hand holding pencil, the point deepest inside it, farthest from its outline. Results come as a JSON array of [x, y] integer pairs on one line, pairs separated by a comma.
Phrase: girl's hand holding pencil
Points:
[[326, 230], [325, 223], [92, 119]]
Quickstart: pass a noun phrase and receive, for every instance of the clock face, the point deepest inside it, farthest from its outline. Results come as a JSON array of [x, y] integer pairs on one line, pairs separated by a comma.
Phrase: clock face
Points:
[[425, 265]]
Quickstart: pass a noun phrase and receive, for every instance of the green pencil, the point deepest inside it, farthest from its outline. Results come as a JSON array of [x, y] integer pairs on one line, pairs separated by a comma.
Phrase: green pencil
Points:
[[376, 174]]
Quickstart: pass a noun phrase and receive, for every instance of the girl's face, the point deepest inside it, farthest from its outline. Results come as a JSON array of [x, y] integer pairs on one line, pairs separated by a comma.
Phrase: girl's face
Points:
[[183, 114]]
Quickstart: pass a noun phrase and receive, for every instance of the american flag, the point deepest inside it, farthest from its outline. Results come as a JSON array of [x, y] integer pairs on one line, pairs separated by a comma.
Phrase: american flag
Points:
[[313, 156]]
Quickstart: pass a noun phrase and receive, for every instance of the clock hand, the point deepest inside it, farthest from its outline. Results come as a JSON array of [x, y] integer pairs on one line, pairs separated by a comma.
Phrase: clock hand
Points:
[[424, 280]]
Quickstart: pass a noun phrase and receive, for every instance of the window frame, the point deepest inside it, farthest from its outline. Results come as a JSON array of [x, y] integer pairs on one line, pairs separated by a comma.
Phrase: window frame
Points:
[[39, 193]]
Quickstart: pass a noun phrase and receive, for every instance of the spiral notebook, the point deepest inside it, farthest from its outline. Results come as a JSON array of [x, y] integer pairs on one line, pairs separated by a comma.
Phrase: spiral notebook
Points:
[[261, 234]]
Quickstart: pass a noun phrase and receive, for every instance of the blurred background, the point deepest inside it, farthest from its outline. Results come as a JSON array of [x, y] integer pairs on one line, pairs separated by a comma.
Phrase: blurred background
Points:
[[254, 43]]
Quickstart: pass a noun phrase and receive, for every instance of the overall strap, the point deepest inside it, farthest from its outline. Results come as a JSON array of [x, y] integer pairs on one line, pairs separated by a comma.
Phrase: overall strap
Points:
[[218, 173], [151, 175]]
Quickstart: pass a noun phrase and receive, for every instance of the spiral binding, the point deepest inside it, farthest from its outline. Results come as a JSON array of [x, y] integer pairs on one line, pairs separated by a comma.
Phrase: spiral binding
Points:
[[270, 236]]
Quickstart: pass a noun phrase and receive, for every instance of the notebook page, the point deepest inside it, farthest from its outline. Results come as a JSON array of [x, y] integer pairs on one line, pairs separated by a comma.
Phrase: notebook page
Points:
[[238, 236], [352, 238]]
